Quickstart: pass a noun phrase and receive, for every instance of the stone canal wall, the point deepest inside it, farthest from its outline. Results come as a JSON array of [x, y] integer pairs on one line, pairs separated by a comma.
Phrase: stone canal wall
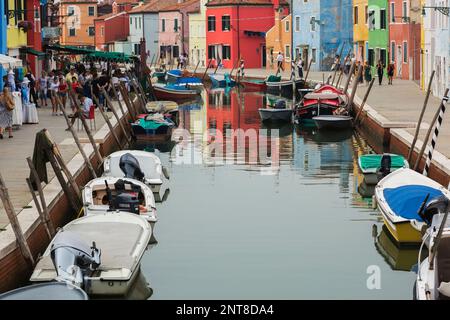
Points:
[[14, 271]]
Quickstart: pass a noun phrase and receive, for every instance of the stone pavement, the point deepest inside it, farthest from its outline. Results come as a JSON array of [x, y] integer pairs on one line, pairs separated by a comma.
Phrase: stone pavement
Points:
[[13, 154]]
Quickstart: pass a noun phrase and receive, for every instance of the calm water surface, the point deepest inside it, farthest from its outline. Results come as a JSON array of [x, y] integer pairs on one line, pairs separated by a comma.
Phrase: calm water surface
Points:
[[245, 231]]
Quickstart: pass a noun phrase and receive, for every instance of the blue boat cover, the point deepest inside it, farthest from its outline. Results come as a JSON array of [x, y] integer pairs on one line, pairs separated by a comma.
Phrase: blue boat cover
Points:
[[175, 72], [405, 201], [188, 80]]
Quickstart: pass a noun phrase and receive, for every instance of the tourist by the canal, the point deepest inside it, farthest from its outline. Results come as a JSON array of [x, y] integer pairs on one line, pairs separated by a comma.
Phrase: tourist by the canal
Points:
[[390, 72], [25, 91], [336, 63], [361, 76], [86, 104], [380, 71], [42, 84], [103, 82], [6, 112], [53, 89], [347, 64], [32, 86], [71, 74], [300, 65], [11, 80], [367, 72], [62, 92], [280, 59]]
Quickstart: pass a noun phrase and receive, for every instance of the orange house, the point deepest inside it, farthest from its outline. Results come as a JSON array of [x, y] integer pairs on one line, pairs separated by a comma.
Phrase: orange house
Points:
[[278, 39], [77, 23]]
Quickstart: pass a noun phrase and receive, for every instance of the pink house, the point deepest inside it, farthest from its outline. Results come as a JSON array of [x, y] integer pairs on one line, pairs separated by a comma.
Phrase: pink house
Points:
[[174, 28]]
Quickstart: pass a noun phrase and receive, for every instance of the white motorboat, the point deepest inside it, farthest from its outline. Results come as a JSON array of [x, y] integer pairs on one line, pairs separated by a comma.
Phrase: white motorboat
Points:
[[136, 164], [433, 276], [46, 291], [107, 194], [99, 253]]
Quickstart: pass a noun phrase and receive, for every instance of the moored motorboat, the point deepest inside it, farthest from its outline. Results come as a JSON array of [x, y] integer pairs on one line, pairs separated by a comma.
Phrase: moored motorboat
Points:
[[173, 92], [256, 85], [136, 164], [400, 196], [371, 164], [283, 88], [46, 291], [277, 112], [333, 122], [108, 194], [153, 127], [174, 75], [160, 76], [222, 80], [99, 253]]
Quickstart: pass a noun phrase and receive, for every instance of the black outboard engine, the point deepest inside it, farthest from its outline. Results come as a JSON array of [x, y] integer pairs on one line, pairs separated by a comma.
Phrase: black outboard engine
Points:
[[385, 166], [125, 200], [130, 166], [280, 104], [73, 258], [435, 206]]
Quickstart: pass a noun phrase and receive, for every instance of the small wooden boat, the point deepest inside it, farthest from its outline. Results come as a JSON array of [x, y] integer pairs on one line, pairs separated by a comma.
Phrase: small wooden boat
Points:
[[222, 80], [173, 93], [277, 112], [153, 127], [283, 88], [46, 291], [107, 194], [433, 276], [99, 253], [333, 122], [399, 196], [253, 85], [370, 165], [136, 164]]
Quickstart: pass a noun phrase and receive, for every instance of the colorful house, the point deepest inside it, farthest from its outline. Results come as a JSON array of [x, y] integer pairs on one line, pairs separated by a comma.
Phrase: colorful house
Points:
[[16, 37], [404, 38], [278, 39], [230, 37], [174, 28], [2, 38], [197, 36], [77, 23], [326, 26], [110, 28], [33, 51], [437, 49], [378, 33], [360, 29]]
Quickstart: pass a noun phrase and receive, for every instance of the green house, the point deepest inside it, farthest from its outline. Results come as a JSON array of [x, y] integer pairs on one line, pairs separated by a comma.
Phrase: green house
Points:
[[378, 33]]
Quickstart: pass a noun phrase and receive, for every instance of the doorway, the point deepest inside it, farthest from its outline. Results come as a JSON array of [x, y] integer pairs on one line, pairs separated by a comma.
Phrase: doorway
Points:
[[305, 56], [398, 61], [264, 56]]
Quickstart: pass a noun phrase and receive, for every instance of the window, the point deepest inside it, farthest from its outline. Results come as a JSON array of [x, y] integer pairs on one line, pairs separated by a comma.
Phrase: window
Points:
[[163, 25], [226, 25], [383, 56], [393, 51], [382, 18], [71, 32], [137, 48], [91, 31], [405, 52], [287, 51], [405, 9], [226, 52], [91, 11], [392, 12], [355, 14], [286, 26], [175, 25], [297, 24], [140, 22], [313, 55], [102, 31], [211, 52], [211, 23], [131, 21], [372, 20], [313, 23], [371, 57], [176, 51], [70, 11]]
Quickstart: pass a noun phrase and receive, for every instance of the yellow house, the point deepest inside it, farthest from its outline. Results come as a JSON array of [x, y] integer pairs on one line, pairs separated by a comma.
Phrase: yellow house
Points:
[[16, 37], [197, 36], [278, 39], [360, 29]]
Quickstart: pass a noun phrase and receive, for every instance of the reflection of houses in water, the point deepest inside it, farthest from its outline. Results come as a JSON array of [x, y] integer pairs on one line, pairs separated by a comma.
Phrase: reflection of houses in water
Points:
[[317, 153]]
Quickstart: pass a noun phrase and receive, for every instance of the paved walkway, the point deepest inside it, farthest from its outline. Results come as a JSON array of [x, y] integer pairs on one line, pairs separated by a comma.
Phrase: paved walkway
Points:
[[13, 154]]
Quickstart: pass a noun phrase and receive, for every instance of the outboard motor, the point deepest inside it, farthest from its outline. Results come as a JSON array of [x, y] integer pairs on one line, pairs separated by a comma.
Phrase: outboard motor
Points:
[[73, 258], [435, 206], [280, 104], [130, 166], [385, 166], [125, 200]]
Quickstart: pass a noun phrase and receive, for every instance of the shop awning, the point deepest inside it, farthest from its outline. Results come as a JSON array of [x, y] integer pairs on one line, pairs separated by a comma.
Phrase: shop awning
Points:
[[70, 49], [9, 62], [94, 54], [39, 54]]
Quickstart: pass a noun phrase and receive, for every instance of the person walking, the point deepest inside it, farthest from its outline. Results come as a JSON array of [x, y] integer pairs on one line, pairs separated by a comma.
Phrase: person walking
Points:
[[54, 88], [6, 112], [86, 104], [367, 72], [280, 60], [300, 65], [390, 72], [380, 71], [63, 90], [32, 86], [42, 88], [70, 75]]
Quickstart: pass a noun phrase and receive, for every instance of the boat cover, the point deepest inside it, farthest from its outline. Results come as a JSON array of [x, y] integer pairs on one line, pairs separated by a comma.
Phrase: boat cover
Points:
[[151, 124], [189, 80], [405, 201], [321, 96], [175, 72], [374, 161], [273, 78]]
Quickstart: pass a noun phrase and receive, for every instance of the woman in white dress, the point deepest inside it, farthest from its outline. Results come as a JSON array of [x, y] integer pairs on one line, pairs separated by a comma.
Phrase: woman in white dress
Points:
[[6, 120], [54, 88]]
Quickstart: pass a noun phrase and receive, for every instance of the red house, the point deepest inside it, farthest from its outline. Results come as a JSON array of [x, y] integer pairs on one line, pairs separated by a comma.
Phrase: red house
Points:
[[237, 28], [34, 37], [110, 28]]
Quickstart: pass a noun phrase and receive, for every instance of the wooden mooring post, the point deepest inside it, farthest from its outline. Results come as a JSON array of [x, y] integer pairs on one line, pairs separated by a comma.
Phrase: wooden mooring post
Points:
[[349, 76], [354, 88], [113, 110], [128, 102], [15, 225], [116, 95], [110, 126], [364, 101], [39, 209], [307, 70]]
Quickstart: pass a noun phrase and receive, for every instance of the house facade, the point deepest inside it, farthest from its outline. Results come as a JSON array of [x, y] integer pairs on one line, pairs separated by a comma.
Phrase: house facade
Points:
[[16, 37], [34, 54], [77, 23], [360, 29], [404, 38], [197, 36], [378, 33], [111, 28], [229, 37], [278, 39], [329, 25]]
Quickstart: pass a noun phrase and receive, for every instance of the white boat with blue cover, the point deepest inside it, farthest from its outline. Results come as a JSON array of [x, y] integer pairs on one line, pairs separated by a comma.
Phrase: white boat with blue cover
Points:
[[399, 197]]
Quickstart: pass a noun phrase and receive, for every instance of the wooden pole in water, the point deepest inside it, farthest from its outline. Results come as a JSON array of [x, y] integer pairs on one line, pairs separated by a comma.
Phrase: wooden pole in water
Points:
[[307, 70], [46, 223], [139, 96], [217, 67], [11, 213], [195, 70], [323, 78], [125, 134], [339, 79], [352, 68], [45, 216], [427, 137], [151, 61], [354, 87], [338, 64], [125, 97], [110, 126], [424, 107], [80, 147], [364, 100], [206, 70]]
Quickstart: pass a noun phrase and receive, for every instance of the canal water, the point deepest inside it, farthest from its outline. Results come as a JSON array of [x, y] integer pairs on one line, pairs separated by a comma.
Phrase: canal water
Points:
[[280, 217]]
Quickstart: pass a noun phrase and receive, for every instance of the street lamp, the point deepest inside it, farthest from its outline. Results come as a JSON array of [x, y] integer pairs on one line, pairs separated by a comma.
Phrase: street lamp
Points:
[[443, 10]]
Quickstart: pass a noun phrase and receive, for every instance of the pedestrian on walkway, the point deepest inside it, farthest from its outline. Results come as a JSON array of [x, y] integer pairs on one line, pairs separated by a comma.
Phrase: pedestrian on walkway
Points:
[[367, 72], [380, 71], [357, 67], [11, 80], [42, 85], [70, 75], [300, 65], [6, 112], [63, 90], [86, 104], [54, 88], [32, 86], [347, 64], [280, 60], [390, 72]]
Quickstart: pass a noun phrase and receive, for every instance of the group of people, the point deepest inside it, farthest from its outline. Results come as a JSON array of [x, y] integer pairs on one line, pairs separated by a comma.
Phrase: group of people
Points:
[[299, 63], [366, 74]]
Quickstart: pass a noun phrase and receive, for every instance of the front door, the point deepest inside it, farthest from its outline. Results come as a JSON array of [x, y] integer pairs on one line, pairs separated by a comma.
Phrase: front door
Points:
[[264, 56], [305, 56], [398, 61]]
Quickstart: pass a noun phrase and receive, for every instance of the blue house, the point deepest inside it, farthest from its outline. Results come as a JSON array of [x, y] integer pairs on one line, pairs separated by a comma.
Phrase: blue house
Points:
[[321, 28], [2, 38]]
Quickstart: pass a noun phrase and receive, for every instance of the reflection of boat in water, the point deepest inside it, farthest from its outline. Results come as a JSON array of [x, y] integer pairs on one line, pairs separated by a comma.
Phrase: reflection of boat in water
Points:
[[163, 147], [284, 129], [366, 190], [321, 136], [398, 258]]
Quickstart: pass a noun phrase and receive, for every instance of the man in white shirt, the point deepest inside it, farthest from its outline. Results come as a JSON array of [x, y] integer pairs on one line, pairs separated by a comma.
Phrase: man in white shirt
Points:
[[280, 60], [86, 104], [300, 67]]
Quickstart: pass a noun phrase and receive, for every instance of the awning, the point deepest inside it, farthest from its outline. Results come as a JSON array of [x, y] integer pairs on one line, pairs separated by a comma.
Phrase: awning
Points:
[[9, 62], [254, 33], [94, 54], [39, 54], [70, 49]]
